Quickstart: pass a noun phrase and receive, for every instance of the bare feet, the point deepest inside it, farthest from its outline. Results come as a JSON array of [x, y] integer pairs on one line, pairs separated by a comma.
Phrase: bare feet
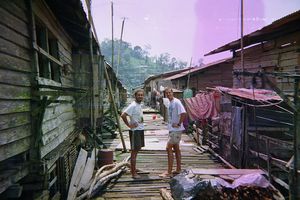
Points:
[[165, 175], [136, 176], [176, 172]]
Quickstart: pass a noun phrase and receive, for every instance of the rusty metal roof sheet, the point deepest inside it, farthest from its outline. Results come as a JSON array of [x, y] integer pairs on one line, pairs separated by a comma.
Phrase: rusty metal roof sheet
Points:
[[196, 69], [285, 25], [166, 74], [252, 94]]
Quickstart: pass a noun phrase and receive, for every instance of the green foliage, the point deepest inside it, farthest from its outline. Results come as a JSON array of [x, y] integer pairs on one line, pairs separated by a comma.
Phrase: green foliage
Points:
[[135, 63]]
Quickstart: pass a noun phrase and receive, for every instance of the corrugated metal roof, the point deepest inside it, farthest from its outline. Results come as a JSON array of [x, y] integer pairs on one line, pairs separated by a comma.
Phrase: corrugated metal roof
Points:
[[167, 74], [193, 70], [252, 94], [285, 25]]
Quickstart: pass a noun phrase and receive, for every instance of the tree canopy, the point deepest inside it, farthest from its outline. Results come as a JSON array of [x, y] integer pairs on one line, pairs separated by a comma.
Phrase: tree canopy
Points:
[[136, 64]]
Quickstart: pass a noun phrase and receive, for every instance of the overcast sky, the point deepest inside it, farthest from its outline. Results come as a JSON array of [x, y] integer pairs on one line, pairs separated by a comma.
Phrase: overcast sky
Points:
[[186, 28]]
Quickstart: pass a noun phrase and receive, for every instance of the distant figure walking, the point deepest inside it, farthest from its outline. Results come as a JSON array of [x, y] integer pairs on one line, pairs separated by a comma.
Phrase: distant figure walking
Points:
[[136, 134], [176, 116]]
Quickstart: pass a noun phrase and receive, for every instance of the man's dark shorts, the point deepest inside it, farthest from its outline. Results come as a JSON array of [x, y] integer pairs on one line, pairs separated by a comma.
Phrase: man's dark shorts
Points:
[[137, 140]]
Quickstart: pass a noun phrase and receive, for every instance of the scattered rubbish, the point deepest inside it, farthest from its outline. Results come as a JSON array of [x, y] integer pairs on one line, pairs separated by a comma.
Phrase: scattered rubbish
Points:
[[187, 186]]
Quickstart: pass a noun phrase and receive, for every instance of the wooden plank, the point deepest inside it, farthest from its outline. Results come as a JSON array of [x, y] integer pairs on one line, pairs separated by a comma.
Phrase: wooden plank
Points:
[[55, 132], [88, 171], [226, 171], [14, 92], [65, 54], [14, 106], [13, 134], [57, 110], [13, 22], [13, 63], [46, 82], [77, 174], [57, 121], [66, 81], [276, 162], [15, 10], [14, 50], [9, 177], [14, 78], [13, 192], [45, 53], [15, 148], [14, 120], [56, 141], [20, 4], [14, 37], [282, 143]]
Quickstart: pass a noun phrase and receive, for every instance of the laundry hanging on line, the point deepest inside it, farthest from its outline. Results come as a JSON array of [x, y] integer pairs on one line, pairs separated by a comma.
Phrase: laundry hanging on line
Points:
[[203, 105]]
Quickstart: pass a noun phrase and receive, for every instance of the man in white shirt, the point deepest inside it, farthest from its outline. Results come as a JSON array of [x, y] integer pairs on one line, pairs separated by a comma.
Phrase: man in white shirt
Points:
[[136, 134], [176, 116]]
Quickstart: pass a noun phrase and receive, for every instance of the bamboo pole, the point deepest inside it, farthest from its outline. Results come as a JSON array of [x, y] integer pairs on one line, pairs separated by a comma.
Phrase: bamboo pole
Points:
[[242, 41], [114, 108], [112, 34], [120, 45]]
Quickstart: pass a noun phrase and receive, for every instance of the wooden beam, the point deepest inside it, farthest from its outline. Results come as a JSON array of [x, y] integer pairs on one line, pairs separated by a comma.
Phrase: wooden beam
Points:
[[43, 52], [226, 171], [275, 161], [280, 93], [14, 191], [295, 190], [114, 108]]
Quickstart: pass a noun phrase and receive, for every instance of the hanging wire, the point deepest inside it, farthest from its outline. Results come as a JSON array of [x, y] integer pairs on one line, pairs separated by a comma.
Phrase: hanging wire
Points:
[[255, 105], [278, 106]]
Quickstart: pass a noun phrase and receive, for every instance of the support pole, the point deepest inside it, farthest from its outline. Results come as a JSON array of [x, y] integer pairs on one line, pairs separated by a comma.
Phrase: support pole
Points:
[[120, 45], [242, 42], [295, 186], [112, 34], [93, 107], [114, 107]]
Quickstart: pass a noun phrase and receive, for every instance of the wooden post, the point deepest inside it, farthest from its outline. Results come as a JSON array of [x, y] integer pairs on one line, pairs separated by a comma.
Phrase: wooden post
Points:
[[114, 107], [242, 42], [101, 89], [246, 155], [112, 34], [94, 78], [295, 186], [269, 158], [120, 45]]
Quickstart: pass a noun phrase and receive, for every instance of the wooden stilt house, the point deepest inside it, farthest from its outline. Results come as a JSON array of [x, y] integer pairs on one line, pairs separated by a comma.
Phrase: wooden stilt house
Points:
[[51, 77], [268, 133]]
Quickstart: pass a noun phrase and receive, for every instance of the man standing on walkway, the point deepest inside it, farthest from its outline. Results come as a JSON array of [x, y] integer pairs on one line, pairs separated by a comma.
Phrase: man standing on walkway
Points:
[[176, 116], [136, 125]]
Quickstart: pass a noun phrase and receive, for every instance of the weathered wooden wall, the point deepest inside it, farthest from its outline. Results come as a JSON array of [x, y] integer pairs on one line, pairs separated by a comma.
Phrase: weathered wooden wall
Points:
[[15, 78], [218, 75], [59, 118], [277, 55], [15, 92], [82, 68]]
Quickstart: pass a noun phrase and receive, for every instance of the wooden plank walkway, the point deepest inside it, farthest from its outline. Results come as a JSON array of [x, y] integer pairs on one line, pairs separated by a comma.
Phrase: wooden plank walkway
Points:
[[152, 163]]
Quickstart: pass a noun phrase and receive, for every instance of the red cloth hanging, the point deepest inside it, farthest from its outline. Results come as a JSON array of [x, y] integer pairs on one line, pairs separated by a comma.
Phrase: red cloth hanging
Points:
[[203, 105]]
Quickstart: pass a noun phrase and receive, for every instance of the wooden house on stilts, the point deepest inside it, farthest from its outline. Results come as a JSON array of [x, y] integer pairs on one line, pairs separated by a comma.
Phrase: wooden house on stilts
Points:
[[259, 132], [50, 92]]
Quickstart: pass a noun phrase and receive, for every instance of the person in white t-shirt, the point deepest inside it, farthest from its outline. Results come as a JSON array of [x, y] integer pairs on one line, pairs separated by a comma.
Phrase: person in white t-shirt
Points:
[[136, 125], [176, 116]]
